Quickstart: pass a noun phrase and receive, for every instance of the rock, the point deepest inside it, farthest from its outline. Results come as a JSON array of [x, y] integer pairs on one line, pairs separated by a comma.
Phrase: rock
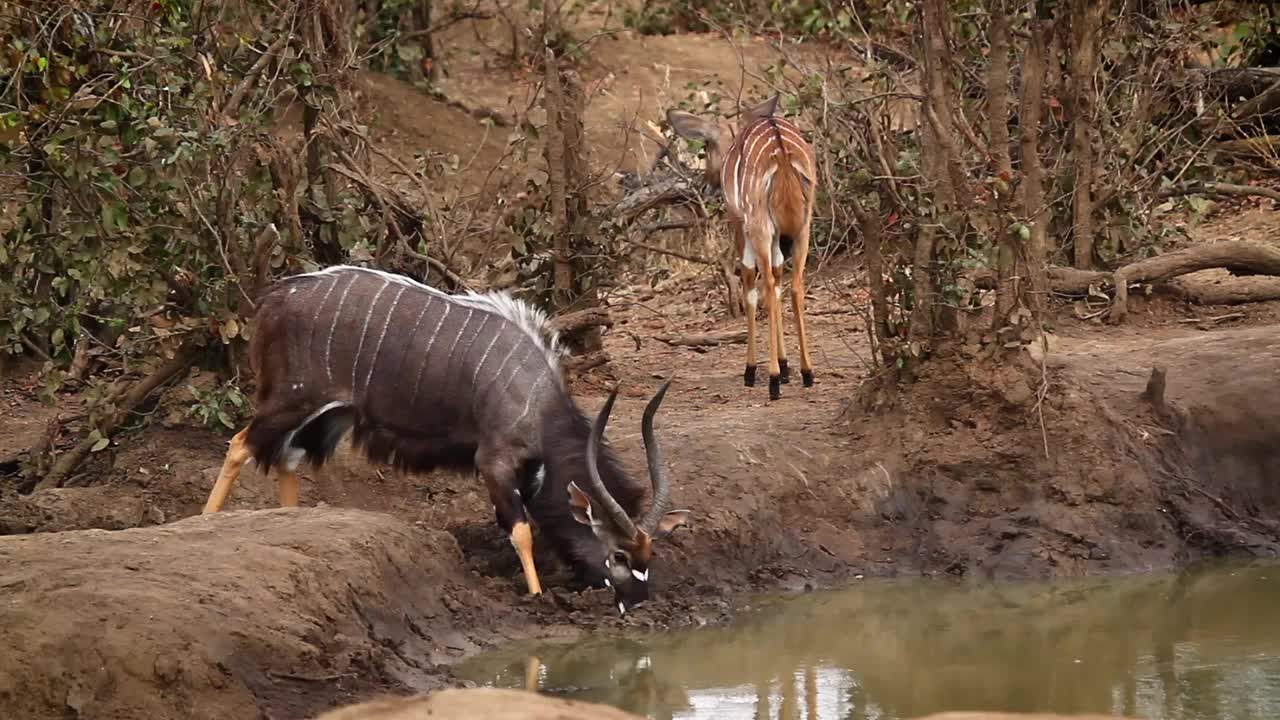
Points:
[[477, 704]]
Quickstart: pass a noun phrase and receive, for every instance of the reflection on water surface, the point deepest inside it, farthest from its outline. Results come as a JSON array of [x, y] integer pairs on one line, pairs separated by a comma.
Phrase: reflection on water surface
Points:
[[1203, 644]]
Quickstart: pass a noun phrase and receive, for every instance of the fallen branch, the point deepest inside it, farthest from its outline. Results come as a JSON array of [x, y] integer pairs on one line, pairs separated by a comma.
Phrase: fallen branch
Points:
[[587, 362], [1234, 255], [1217, 188], [575, 322], [1264, 146], [1232, 291], [127, 402], [1240, 257], [711, 339], [667, 191]]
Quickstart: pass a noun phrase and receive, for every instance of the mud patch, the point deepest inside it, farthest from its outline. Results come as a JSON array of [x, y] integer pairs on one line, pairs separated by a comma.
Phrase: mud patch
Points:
[[225, 616]]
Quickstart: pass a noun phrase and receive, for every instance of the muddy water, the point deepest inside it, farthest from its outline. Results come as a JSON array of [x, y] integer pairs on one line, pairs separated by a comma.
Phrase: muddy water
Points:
[[1204, 643]]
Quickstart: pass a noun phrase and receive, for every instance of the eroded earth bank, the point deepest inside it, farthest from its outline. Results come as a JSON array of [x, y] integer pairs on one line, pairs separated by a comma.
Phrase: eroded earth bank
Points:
[[120, 600]]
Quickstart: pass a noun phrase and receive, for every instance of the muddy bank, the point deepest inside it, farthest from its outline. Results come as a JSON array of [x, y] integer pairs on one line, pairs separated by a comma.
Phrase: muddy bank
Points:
[[952, 478], [231, 616], [1071, 468]]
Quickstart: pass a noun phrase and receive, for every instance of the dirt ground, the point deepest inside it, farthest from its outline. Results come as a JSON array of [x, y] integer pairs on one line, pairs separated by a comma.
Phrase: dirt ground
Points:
[[384, 581]]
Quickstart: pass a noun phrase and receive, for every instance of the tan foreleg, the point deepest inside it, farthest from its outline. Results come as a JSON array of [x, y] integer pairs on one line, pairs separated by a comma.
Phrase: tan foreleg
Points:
[[238, 454], [287, 487], [771, 301], [749, 298], [797, 305], [784, 372], [522, 538]]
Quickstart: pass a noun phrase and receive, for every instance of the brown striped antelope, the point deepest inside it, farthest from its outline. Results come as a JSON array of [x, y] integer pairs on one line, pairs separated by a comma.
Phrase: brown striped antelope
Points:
[[471, 382], [768, 176]]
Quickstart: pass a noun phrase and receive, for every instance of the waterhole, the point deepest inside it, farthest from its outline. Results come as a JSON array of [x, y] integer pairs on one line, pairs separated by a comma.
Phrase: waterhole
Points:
[[1202, 643]]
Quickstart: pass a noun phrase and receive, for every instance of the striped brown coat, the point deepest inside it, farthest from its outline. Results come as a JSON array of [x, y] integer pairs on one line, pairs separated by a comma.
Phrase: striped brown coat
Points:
[[768, 174], [423, 380]]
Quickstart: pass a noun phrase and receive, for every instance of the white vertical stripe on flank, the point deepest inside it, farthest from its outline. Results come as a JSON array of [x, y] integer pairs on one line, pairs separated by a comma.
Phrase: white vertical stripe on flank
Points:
[[381, 335], [315, 319], [484, 357], [355, 361], [498, 373], [328, 368], [426, 354], [528, 318], [515, 374], [528, 403]]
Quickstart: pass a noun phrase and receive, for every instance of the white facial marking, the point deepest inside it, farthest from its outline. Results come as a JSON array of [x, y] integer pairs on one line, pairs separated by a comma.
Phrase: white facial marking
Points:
[[607, 583], [542, 473], [641, 576], [293, 290], [622, 609]]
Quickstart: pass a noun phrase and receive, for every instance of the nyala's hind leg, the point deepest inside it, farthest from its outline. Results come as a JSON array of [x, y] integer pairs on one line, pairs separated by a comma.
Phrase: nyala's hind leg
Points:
[[287, 486], [238, 454]]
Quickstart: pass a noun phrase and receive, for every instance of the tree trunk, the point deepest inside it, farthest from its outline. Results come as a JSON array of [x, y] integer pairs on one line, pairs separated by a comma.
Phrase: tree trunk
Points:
[[1009, 247], [562, 288], [937, 152], [1086, 21], [422, 22], [1032, 203]]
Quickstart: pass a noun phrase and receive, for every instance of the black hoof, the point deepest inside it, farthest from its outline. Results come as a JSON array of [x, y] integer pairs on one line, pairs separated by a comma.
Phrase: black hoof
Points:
[[784, 372], [807, 375], [775, 387], [749, 376]]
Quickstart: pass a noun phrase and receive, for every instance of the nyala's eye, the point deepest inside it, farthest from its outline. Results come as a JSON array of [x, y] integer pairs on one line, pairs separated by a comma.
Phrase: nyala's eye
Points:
[[620, 558]]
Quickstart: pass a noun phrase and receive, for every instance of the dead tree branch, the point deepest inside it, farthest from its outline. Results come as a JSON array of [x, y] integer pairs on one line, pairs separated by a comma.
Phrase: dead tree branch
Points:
[[577, 321], [1217, 188], [1234, 255]]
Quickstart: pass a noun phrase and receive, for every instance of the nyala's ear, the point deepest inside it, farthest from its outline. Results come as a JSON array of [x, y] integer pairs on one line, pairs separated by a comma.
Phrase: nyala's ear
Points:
[[579, 505], [763, 110], [692, 127], [671, 521]]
